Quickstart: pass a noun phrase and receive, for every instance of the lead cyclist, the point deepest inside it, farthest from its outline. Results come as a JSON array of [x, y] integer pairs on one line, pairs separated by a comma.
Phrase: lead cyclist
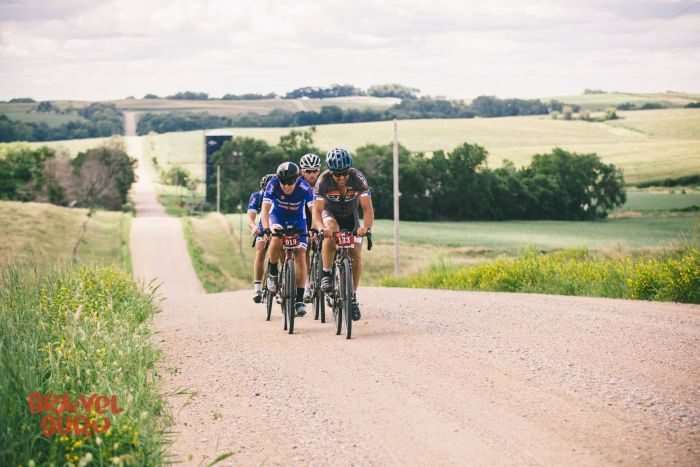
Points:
[[340, 191]]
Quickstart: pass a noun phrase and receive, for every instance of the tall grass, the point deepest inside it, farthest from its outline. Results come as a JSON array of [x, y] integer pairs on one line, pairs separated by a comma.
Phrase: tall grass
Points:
[[673, 277], [78, 331]]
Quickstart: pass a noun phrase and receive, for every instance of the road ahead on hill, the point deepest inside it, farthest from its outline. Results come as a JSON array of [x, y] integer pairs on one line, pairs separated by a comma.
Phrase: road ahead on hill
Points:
[[430, 378]]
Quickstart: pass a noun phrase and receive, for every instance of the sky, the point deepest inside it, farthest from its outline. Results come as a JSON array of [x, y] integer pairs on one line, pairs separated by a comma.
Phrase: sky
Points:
[[98, 50]]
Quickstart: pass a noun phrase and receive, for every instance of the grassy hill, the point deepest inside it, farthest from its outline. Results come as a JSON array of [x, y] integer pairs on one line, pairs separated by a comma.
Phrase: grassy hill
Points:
[[46, 234], [594, 102]]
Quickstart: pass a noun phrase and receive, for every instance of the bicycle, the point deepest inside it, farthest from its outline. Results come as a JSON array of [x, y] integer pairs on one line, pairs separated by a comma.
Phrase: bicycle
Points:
[[267, 296], [287, 285], [343, 289], [315, 274]]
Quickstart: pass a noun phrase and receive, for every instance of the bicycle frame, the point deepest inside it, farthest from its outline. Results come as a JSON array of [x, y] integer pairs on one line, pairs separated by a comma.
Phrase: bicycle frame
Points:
[[287, 289]]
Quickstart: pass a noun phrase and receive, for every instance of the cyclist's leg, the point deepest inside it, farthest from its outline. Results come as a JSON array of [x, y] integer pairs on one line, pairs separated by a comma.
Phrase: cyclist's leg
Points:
[[328, 248], [275, 252], [258, 264], [259, 259]]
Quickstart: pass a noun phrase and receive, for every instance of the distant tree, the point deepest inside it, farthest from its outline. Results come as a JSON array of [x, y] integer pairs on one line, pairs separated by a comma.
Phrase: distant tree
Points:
[[297, 143], [151, 96], [573, 186], [248, 97], [393, 90], [693, 105], [491, 106], [626, 106], [22, 172], [190, 95], [22, 100], [103, 177], [334, 90], [593, 91], [47, 106]]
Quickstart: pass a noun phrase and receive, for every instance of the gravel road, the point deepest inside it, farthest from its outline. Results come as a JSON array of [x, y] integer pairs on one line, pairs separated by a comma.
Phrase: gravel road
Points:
[[430, 378]]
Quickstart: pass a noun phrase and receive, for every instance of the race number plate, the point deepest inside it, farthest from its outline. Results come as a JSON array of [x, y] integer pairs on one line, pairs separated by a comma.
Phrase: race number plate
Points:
[[345, 239], [290, 241]]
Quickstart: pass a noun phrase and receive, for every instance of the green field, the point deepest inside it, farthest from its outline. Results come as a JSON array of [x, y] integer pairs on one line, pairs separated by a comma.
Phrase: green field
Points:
[[651, 232], [645, 144], [657, 200]]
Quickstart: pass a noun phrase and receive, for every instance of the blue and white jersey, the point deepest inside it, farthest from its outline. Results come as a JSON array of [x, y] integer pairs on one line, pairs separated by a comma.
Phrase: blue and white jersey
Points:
[[255, 202], [289, 206]]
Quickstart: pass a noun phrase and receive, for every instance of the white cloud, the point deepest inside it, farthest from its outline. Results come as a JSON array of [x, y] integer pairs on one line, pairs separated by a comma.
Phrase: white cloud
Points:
[[117, 48]]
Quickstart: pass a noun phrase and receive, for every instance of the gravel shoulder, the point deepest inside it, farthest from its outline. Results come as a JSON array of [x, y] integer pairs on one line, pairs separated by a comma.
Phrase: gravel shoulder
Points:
[[429, 378]]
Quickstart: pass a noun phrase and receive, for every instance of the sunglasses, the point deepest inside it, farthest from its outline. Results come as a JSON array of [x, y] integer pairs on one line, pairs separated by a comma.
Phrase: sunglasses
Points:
[[311, 171], [288, 182], [340, 174]]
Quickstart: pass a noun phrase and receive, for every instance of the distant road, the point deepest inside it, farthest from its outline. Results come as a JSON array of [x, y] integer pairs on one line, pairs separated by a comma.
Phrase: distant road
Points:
[[130, 123]]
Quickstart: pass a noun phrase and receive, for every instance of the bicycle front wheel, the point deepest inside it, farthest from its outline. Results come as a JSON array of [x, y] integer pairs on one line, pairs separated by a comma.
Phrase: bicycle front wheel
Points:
[[290, 293], [346, 290]]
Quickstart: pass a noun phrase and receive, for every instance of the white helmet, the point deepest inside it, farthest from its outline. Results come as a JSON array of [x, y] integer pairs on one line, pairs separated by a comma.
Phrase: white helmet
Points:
[[310, 161]]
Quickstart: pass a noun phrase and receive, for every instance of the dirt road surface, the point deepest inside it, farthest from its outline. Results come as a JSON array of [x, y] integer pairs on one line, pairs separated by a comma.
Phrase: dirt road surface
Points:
[[430, 378]]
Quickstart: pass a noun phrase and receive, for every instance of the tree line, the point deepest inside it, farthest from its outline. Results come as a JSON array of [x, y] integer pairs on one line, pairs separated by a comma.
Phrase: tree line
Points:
[[93, 121], [455, 185], [99, 177], [424, 107]]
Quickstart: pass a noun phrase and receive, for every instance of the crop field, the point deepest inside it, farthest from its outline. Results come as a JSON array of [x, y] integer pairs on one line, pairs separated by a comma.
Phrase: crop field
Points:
[[645, 144], [24, 113], [604, 101]]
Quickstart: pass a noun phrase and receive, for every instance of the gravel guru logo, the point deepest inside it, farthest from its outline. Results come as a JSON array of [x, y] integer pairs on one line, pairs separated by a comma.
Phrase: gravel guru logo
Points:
[[63, 415]]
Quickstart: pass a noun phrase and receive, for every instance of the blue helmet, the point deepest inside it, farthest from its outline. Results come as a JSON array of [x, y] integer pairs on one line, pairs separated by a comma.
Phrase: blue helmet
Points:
[[338, 159]]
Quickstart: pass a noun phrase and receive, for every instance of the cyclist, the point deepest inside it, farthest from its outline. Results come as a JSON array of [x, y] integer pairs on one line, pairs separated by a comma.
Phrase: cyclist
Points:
[[283, 204], [254, 207], [310, 169], [339, 191]]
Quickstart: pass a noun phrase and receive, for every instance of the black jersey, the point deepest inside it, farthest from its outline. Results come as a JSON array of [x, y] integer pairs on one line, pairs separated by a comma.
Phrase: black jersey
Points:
[[342, 205]]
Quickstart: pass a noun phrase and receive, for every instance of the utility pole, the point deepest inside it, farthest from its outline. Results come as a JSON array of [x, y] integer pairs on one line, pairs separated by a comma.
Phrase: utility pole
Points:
[[396, 199], [218, 188]]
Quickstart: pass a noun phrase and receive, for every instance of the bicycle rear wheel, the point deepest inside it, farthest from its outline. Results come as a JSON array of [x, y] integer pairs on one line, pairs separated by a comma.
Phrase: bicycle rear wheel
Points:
[[346, 293], [318, 298], [290, 290]]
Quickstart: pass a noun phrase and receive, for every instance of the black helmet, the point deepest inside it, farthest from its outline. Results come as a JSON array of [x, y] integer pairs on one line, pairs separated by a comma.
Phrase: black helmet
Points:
[[264, 180], [288, 172]]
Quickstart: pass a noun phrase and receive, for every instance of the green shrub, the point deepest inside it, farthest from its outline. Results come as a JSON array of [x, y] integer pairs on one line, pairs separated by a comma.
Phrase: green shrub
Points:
[[78, 331], [573, 272]]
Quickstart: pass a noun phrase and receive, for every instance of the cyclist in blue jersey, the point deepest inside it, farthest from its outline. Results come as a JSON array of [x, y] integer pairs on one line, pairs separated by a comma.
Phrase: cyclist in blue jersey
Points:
[[284, 200], [256, 229]]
